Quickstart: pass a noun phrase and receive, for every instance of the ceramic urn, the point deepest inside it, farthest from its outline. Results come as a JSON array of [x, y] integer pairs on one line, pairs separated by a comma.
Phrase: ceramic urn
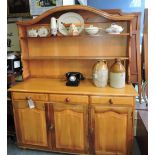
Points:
[[100, 74], [117, 75]]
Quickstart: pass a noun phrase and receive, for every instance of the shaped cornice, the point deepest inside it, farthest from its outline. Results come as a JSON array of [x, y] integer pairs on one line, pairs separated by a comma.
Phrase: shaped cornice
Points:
[[106, 15]]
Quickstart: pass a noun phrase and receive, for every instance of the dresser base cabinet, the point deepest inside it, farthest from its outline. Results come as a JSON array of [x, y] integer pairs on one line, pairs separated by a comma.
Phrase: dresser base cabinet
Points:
[[101, 125]]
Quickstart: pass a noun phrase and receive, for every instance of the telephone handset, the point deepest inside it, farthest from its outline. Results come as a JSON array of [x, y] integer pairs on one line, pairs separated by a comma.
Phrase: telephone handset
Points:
[[73, 78]]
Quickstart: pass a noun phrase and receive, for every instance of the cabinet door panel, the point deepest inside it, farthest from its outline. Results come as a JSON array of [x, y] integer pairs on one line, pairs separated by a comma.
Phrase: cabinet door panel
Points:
[[67, 130], [31, 126], [70, 127], [111, 127]]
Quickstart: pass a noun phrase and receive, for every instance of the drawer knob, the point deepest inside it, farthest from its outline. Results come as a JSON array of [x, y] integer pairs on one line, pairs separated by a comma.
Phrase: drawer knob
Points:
[[67, 99], [110, 101]]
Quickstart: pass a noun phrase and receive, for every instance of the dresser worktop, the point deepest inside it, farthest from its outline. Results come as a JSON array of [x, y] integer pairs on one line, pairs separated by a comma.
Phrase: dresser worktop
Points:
[[86, 87]]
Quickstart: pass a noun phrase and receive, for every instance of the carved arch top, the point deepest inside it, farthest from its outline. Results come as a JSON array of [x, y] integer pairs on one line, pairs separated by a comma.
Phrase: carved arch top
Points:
[[76, 7]]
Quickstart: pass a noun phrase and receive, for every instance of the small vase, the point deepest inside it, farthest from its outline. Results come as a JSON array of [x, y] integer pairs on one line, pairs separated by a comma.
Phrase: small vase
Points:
[[100, 74], [117, 75]]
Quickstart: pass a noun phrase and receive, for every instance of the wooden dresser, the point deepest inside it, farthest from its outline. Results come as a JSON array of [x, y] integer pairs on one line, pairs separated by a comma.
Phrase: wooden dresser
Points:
[[77, 120]]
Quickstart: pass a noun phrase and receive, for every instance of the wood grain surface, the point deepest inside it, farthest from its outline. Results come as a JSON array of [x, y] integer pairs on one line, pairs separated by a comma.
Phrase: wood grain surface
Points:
[[58, 86]]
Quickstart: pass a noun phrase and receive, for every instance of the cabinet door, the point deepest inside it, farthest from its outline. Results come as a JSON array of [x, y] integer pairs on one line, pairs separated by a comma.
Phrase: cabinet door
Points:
[[70, 127], [30, 123], [111, 129]]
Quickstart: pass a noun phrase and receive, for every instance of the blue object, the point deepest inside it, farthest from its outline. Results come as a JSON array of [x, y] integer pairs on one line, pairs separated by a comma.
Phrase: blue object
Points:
[[123, 5]]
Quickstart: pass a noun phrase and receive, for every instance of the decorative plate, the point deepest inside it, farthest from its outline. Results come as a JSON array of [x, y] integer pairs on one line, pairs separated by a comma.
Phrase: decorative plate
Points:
[[70, 18]]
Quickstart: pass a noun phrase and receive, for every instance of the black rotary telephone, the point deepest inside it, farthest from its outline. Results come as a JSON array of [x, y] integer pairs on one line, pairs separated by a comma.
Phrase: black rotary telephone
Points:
[[73, 78]]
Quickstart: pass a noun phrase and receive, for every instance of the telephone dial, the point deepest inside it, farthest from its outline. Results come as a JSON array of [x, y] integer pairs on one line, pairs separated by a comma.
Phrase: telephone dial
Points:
[[73, 78]]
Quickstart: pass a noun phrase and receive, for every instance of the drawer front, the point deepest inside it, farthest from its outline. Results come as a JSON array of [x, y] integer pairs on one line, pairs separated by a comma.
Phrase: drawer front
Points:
[[112, 100], [22, 104], [68, 98], [34, 96]]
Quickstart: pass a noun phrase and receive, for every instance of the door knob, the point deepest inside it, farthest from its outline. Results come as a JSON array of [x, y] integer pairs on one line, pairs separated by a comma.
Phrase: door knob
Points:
[[110, 101], [92, 130], [51, 127]]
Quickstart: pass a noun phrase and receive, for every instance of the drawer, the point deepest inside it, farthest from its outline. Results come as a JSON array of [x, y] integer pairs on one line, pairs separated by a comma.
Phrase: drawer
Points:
[[112, 100], [34, 96], [68, 98], [22, 104]]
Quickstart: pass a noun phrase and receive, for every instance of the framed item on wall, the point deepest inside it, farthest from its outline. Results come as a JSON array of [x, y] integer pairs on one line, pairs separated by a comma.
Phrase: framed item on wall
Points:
[[73, 2], [68, 2], [39, 6], [82, 2], [18, 8], [12, 37]]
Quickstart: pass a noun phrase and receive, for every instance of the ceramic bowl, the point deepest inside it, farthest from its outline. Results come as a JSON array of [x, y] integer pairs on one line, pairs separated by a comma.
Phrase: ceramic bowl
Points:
[[92, 30]]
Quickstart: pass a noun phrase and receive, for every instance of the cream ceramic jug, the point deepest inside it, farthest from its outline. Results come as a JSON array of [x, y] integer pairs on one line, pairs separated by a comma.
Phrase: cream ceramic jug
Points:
[[117, 75], [100, 74]]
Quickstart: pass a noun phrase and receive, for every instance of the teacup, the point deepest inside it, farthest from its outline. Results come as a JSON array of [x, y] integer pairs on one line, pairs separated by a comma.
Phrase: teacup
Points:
[[32, 33], [43, 32]]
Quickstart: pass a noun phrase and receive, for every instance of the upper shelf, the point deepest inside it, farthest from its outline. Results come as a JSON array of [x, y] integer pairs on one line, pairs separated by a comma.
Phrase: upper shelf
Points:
[[82, 35], [73, 58]]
